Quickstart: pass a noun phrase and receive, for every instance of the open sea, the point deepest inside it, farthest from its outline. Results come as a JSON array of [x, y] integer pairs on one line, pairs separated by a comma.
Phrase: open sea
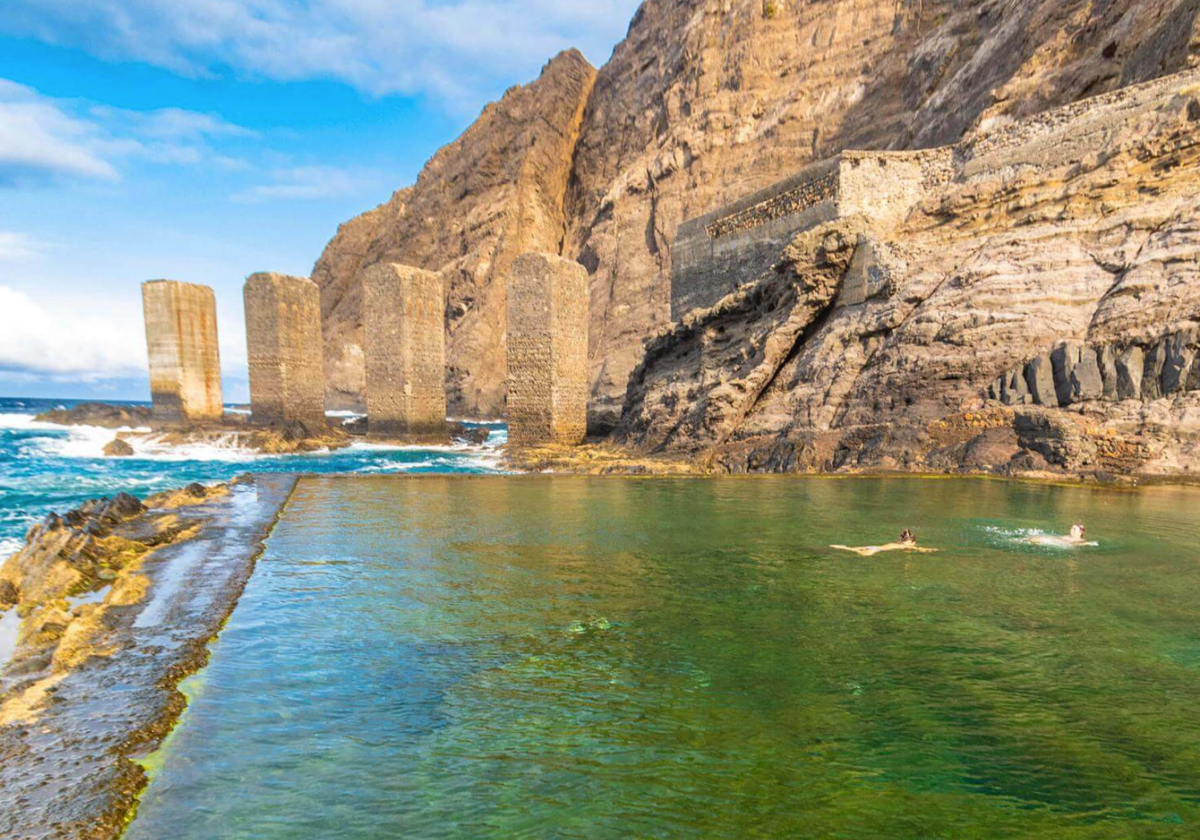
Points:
[[45, 467]]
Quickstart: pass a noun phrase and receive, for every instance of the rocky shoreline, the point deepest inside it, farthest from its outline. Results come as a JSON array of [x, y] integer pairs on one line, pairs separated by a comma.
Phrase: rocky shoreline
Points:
[[118, 602], [133, 425]]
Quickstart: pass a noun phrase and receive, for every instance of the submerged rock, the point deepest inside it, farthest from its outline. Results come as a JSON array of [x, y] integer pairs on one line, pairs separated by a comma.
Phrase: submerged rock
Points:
[[118, 448]]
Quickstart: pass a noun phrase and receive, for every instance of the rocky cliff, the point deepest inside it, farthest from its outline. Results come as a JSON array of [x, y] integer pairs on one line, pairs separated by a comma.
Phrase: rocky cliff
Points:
[[1038, 311], [481, 202], [705, 101]]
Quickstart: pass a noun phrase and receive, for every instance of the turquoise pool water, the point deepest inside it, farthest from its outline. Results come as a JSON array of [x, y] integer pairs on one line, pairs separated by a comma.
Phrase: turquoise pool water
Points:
[[553, 657]]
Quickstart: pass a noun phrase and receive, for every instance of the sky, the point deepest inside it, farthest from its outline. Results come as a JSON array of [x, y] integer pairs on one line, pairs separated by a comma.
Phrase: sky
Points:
[[205, 140]]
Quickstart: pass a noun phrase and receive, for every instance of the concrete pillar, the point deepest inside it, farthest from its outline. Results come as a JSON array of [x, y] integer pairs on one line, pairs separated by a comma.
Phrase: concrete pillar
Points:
[[547, 351], [181, 341], [404, 323], [283, 341]]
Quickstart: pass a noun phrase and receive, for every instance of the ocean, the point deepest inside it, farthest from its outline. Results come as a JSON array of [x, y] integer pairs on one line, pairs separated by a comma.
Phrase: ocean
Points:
[[48, 468]]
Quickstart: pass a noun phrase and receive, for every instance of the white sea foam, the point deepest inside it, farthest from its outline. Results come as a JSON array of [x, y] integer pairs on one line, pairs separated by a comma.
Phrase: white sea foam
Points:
[[9, 547], [222, 448], [10, 625], [64, 441], [1035, 538]]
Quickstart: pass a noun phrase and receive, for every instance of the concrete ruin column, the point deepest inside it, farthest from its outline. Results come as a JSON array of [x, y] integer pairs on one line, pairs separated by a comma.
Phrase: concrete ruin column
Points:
[[181, 341], [283, 341], [404, 323], [547, 351]]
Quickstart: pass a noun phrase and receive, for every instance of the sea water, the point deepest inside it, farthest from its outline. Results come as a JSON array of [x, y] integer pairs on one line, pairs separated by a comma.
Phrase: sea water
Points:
[[559, 657], [45, 467]]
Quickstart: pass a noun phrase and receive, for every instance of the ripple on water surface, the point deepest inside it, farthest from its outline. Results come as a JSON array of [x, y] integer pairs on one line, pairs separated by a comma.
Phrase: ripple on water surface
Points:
[[558, 657]]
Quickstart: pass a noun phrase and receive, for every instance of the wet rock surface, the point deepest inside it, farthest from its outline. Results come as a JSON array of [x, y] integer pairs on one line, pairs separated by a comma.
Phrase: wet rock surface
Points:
[[118, 448], [104, 415], [71, 720]]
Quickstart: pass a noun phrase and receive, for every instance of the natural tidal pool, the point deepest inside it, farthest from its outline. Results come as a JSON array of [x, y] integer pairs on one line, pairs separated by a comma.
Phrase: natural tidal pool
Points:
[[556, 657]]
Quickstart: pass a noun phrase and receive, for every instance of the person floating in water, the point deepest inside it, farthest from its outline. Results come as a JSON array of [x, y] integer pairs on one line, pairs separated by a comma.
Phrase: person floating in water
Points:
[[1076, 537], [907, 542]]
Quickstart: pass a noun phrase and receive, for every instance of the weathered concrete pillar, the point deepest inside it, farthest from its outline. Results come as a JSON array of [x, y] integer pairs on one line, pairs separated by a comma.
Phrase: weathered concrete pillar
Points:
[[181, 340], [547, 351], [404, 323], [283, 341]]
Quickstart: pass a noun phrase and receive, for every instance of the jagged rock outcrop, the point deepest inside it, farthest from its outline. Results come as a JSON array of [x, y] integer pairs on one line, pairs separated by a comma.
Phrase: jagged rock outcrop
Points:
[[700, 378], [492, 195]]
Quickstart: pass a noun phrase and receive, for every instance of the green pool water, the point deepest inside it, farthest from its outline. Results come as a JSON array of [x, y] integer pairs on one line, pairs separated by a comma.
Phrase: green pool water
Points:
[[553, 657]]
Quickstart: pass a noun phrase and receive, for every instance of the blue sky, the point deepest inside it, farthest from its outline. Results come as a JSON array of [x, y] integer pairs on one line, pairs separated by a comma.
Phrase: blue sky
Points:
[[203, 140]]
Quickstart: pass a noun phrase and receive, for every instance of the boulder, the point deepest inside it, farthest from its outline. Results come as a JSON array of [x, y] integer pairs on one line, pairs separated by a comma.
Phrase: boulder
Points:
[[1063, 360], [1131, 365], [1039, 376], [356, 426], [1016, 391], [1087, 383], [1152, 372], [117, 448], [1106, 358], [1180, 352]]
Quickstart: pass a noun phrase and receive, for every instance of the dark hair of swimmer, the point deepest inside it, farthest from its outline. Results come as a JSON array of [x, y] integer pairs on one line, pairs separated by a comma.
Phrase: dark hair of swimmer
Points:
[[906, 536]]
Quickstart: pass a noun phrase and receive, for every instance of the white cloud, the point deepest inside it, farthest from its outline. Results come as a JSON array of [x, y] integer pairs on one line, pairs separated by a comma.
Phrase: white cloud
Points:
[[68, 343], [455, 49], [308, 183], [19, 247], [39, 140], [44, 139]]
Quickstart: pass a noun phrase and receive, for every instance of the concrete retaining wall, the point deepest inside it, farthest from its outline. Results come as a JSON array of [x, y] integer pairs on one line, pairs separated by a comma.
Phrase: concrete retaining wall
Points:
[[404, 324], [181, 341], [283, 341], [547, 351]]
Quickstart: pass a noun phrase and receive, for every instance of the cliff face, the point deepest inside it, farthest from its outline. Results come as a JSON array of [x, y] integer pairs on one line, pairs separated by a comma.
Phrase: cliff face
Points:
[[1039, 310], [705, 101], [481, 202]]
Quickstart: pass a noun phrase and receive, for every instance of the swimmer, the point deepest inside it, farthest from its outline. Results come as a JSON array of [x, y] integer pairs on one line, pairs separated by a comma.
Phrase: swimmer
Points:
[[907, 542], [1073, 539]]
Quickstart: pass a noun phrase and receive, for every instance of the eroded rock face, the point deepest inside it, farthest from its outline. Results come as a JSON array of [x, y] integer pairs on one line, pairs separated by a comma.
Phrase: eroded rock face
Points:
[[704, 102], [495, 193], [708, 100], [702, 377], [1057, 274]]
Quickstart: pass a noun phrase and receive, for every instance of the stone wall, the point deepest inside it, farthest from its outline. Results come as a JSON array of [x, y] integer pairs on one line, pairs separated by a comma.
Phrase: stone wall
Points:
[[547, 351], [283, 341], [1070, 132], [404, 317], [884, 187], [181, 341], [716, 253]]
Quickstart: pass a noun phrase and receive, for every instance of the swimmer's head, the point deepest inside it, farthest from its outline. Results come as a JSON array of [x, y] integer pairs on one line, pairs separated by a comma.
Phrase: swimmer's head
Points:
[[906, 536], [1077, 531]]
